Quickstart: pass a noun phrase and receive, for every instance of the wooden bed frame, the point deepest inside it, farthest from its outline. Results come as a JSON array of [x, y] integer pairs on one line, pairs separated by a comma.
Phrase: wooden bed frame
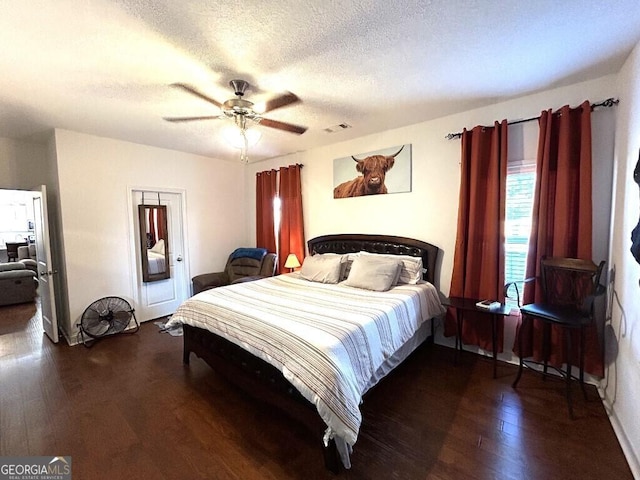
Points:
[[265, 382]]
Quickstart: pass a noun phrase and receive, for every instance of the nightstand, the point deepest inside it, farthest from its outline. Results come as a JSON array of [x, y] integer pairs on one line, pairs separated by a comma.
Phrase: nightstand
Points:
[[469, 304]]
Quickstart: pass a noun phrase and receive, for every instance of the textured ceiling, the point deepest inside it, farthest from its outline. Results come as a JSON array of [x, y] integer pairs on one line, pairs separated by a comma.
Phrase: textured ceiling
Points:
[[104, 67]]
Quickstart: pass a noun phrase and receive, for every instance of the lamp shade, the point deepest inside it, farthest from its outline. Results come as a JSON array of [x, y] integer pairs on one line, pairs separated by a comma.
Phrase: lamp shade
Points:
[[292, 261]]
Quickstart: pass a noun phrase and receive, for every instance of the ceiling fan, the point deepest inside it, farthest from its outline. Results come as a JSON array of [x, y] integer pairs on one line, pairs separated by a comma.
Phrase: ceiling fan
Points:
[[241, 110]]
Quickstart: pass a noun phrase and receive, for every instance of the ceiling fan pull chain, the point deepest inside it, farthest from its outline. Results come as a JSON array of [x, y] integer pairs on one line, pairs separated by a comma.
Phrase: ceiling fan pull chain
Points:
[[244, 155]]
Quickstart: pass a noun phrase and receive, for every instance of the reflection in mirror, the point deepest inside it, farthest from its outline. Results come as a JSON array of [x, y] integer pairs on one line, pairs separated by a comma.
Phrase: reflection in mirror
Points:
[[154, 247]]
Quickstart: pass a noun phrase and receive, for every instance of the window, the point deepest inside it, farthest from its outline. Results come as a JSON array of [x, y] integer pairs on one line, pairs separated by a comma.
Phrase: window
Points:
[[16, 216], [521, 179]]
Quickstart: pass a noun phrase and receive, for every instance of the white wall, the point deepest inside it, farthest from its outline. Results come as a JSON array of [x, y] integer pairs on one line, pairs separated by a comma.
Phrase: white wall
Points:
[[21, 164], [430, 210], [621, 387], [95, 175]]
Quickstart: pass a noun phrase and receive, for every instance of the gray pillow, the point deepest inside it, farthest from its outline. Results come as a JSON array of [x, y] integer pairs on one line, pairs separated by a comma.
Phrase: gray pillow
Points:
[[411, 269], [374, 273], [322, 268]]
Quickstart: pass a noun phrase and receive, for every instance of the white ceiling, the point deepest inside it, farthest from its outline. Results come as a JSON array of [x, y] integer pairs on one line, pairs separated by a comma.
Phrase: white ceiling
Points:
[[104, 67]]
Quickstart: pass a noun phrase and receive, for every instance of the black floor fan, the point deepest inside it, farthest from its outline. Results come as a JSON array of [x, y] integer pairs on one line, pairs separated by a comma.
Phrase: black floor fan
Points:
[[105, 317]]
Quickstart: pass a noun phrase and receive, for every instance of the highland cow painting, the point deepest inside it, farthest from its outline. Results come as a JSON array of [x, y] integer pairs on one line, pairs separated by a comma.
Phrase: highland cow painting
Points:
[[373, 173]]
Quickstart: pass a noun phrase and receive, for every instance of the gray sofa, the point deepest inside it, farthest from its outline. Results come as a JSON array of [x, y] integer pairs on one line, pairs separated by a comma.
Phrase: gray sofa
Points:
[[17, 283], [27, 256], [243, 265]]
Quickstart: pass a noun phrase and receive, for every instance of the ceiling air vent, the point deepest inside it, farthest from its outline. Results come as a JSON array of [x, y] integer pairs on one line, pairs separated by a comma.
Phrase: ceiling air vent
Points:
[[337, 128]]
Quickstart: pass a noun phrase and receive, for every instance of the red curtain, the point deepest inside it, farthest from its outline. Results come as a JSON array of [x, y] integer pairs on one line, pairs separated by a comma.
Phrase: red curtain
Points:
[[562, 219], [152, 226], [266, 183], [291, 221], [161, 225], [478, 262]]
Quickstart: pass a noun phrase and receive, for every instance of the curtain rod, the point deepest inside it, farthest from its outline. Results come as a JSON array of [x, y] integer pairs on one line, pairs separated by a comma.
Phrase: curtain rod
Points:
[[609, 102], [276, 171]]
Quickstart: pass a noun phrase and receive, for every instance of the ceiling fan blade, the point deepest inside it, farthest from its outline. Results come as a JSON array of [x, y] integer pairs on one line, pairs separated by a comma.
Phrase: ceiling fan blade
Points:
[[281, 101], [287, 127], [190, 119], [195, 92]]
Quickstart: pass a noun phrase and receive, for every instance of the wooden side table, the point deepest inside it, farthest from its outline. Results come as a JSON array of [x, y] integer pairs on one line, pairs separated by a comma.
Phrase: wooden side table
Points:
[[469, 304]]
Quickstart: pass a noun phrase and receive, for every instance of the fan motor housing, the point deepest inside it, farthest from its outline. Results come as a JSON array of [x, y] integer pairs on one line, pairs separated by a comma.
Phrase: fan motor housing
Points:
[[238, 105]]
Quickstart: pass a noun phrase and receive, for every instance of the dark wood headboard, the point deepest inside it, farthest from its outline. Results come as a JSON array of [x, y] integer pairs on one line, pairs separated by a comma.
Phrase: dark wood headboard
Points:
[[390, 244]]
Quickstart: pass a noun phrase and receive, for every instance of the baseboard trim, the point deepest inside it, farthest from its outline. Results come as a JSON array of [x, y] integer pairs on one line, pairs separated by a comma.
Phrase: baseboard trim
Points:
[[618, 428]]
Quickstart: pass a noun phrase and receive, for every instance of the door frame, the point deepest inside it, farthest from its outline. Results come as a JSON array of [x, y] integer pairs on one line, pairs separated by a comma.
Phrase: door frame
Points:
[[134, 245]]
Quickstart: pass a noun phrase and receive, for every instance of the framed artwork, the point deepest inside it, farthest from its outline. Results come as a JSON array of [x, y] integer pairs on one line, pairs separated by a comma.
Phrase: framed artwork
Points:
[[379, 172]]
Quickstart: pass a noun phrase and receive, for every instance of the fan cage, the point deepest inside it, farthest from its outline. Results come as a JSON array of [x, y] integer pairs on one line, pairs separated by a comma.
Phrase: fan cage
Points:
[[107, 316]]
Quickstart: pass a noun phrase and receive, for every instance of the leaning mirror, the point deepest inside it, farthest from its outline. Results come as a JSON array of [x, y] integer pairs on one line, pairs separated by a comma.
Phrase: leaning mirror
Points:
[[154, 247]]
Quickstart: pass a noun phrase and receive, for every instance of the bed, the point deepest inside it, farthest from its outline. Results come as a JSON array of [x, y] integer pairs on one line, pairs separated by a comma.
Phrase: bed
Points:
[[313, 348], [156, 262], [156, 258]]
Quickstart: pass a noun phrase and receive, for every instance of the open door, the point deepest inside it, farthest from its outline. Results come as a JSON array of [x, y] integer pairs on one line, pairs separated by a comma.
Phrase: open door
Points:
[[45, 269]]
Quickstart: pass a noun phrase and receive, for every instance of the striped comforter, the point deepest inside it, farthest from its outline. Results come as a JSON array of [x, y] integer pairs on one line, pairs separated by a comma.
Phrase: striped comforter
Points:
[[327, 340]]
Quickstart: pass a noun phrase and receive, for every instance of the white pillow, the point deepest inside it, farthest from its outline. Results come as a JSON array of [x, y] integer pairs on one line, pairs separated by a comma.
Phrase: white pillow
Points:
[[158, 247], [347, 261], [322, 268], [373, 273], [411, 271]]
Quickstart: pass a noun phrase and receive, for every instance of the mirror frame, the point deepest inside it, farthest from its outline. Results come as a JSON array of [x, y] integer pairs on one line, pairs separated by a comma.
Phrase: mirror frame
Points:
[[142, 220]]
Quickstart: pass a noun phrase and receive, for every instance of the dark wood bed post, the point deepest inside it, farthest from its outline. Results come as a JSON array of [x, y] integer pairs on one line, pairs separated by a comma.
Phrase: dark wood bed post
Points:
[[332, 460], [185, 356], [265, 382]]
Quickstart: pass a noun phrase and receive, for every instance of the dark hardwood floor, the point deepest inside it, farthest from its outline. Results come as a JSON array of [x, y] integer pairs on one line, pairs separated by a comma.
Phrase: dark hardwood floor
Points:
[[128, 408]]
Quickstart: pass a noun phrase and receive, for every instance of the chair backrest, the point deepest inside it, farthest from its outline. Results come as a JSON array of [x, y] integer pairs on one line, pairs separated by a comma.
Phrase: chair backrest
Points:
[[269, 265], [240, 267], [570, 281]]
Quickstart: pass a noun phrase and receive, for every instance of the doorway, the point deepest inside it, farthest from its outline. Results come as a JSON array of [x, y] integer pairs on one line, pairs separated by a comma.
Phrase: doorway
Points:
[[16, 219], [158, 299], [25, 221]]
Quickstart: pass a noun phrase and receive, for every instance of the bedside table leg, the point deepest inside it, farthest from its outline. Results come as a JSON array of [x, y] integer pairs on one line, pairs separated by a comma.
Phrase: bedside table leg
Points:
[[458, 334], [520, 354], [493, 344]]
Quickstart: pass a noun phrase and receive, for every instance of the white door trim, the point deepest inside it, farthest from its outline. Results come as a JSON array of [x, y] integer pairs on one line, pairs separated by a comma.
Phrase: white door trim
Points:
[[48, 281], [136, 280]]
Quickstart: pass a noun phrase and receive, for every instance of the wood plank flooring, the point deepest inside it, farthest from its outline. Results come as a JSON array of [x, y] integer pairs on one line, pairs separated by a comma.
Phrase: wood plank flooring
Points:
[[128, 408]]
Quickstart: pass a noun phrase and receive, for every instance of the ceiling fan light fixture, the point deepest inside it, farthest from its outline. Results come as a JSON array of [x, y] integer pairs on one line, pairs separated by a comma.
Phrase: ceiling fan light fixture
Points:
[[235, 136], [244, 114]]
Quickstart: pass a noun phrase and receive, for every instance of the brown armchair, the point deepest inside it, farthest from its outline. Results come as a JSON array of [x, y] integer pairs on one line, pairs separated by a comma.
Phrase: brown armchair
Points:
[[243, 265]]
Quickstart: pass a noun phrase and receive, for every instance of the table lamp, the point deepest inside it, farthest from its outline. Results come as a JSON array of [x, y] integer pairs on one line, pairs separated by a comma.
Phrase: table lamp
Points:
[[292, 262]]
